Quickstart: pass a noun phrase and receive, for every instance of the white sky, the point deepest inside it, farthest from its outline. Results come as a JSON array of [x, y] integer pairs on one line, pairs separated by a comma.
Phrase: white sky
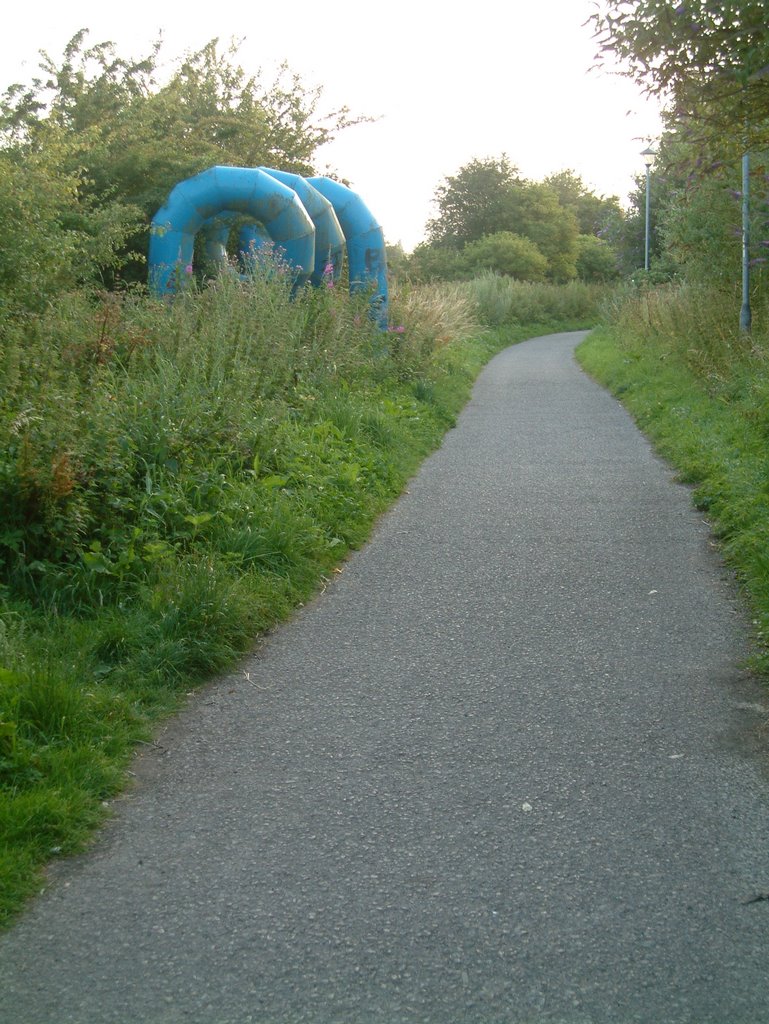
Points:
[[448, 82]]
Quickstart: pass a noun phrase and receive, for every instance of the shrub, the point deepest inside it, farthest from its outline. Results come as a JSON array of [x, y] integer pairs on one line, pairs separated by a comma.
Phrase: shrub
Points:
[[596, 260], [507, 254]]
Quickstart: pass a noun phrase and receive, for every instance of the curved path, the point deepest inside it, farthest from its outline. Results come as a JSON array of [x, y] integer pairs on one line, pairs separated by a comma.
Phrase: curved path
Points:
[[501, 772]]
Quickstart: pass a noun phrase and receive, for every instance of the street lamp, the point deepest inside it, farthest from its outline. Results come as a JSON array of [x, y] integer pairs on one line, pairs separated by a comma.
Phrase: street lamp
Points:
[[648, 156], [746, 316]]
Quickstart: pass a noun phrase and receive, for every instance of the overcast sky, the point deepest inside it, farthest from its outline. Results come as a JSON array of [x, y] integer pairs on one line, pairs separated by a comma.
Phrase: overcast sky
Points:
[[448, 83]]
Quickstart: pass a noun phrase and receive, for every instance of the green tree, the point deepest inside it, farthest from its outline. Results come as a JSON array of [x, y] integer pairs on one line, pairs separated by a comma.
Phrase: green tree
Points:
[[627, 234], [596, 259], [435, 262], [475, 202], [53, 237], [539, 216], [701, 231], [508, 254], [699, 216], [397, 260], [487, 197], [594, 213], [708, 61]]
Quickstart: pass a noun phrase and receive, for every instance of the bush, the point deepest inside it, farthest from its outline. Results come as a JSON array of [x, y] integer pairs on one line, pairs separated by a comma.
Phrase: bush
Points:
[[52, 239], [507, 254], [596, 260], [699, 322]]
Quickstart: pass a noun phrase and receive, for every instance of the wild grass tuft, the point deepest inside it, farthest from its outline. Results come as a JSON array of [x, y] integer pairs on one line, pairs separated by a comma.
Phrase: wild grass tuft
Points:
[[436, 315]]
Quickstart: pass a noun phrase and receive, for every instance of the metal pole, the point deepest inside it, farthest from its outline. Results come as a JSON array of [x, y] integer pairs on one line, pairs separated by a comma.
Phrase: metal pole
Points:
[[646, 242], [745, 314]]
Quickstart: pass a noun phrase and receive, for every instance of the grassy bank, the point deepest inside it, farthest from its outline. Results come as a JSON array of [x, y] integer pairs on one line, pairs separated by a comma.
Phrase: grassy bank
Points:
[[700, 391], [174, 479]]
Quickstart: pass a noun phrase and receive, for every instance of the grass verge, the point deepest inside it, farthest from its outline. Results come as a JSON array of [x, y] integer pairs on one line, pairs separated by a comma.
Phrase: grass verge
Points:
[[713, 428]]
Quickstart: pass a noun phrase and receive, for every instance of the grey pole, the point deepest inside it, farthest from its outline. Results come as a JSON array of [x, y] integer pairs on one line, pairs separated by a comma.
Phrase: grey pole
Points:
[[745, 313], [648, 158], [646, 237]]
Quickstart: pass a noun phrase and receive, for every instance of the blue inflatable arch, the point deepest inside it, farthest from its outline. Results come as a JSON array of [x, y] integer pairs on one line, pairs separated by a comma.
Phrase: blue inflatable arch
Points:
[[312, 221], [364, 238]]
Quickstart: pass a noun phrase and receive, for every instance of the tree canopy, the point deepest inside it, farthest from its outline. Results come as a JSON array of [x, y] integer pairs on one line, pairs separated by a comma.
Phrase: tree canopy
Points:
[[708, 61], [475, 202], [594, 213], [489, 216], [111, 140]]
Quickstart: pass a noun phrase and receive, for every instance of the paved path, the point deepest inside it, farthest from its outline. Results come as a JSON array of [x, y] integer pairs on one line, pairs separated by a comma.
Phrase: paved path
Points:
[[502, 770]]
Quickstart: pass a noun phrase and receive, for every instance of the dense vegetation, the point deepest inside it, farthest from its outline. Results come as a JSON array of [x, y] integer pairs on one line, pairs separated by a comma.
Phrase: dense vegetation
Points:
[[489, 218], [92, 147]]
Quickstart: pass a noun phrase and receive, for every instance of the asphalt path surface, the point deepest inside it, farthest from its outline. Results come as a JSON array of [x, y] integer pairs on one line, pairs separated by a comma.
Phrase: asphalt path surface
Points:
[[506, 768]]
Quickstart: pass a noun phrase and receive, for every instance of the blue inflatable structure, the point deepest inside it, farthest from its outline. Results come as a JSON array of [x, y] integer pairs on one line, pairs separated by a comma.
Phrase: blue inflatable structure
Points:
[[311, 222]]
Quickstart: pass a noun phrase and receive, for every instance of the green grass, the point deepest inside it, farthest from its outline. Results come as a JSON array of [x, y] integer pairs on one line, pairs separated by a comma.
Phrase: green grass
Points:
[[176, 479], [703, 405]]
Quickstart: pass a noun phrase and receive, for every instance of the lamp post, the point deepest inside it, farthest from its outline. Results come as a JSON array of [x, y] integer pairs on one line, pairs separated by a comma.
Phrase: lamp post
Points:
[[648, 156], [745, 313]]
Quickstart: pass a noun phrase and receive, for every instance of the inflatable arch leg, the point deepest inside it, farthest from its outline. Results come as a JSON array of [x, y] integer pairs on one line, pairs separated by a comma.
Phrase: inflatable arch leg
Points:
[[365, 243], [216, 234]]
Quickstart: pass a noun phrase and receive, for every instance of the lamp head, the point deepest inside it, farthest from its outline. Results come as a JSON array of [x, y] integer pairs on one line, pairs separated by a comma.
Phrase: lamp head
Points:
[[648, 155]]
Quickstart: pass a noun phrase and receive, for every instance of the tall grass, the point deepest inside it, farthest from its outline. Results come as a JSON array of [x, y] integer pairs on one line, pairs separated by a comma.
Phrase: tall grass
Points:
[[503, 302], [436, 314], [697, 322]]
